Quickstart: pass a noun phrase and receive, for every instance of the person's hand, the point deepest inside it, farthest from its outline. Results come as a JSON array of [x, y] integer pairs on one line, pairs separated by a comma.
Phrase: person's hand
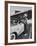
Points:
[[29, 21]]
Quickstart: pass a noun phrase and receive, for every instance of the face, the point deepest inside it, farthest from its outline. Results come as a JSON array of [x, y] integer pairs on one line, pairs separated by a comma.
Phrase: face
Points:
[[25, 15]]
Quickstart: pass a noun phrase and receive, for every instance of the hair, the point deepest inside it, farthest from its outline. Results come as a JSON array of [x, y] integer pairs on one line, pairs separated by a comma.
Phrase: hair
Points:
[[29, 14]]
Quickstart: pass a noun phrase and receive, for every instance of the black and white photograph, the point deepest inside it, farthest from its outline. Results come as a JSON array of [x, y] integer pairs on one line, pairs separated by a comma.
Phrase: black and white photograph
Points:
[[20, 22]]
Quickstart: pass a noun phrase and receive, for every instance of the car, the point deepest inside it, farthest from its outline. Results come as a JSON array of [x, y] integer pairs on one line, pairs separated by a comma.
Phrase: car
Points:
[[17, 29]]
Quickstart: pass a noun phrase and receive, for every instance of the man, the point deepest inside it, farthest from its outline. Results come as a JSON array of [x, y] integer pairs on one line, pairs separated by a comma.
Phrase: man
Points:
[[27, 26]]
